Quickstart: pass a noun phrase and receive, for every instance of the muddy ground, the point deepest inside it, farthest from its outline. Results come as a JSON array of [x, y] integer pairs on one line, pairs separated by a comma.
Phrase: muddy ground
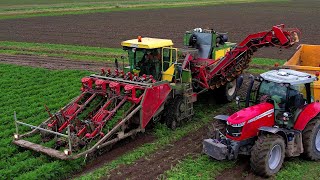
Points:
[[109, 29]]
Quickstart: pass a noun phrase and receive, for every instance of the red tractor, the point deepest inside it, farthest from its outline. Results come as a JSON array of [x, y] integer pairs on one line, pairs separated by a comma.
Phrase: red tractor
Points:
[[283, 121]]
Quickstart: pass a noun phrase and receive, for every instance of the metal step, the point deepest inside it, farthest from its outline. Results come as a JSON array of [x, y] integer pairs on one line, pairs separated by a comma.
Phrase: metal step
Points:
[[39, 148]]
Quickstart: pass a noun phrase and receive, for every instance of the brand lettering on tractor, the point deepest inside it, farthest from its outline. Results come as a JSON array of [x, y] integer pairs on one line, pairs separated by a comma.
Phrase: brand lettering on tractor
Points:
[[267, 113]]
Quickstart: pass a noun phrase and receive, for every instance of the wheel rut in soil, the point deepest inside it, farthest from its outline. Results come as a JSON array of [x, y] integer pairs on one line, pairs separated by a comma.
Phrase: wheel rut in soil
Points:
[[117, 150], [54, 62]]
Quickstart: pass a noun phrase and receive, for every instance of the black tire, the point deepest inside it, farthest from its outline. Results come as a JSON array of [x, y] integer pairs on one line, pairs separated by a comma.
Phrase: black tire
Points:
[[310, 138], [173, 115], [261, 155], [214, 126], [227, 93]]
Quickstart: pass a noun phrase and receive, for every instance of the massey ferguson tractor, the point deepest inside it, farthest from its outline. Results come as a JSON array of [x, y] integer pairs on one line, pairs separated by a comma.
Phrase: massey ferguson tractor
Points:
[[284, 121], [157, 85]]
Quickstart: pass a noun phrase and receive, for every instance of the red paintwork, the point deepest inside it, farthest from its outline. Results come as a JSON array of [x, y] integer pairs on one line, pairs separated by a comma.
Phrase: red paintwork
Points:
[[101, 84], [206, 69], [154, 97], [86, 83], [308, 113], [251, 129]]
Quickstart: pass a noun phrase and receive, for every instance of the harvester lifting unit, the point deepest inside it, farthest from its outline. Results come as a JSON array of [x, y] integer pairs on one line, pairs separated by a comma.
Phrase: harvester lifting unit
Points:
[[156, 86]]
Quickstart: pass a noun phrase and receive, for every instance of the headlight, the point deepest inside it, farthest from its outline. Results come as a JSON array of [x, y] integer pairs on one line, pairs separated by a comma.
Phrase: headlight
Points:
[[16, 136]]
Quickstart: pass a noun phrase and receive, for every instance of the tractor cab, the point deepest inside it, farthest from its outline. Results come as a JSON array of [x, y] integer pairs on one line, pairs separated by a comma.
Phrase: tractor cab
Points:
[[288, 91], [151, 56]]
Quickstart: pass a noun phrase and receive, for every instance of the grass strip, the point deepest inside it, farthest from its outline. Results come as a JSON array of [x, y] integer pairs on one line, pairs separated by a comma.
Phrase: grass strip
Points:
[[199, 167]]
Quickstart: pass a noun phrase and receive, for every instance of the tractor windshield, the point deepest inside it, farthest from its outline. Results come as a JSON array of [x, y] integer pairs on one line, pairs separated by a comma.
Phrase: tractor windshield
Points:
[[145, 61], [275, 91]]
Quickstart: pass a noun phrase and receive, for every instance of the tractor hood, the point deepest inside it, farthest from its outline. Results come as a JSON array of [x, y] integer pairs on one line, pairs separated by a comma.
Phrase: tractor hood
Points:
[[251, 113]]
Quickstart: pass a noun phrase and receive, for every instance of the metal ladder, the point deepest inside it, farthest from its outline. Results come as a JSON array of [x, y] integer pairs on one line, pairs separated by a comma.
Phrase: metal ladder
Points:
[[188, 100]]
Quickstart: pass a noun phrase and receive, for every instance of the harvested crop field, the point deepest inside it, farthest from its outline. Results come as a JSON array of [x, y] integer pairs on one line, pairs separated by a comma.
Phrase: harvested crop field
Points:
[[109, 29]]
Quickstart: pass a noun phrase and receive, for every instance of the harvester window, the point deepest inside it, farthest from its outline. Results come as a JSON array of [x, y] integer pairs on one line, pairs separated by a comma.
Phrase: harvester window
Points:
[[169, 57]]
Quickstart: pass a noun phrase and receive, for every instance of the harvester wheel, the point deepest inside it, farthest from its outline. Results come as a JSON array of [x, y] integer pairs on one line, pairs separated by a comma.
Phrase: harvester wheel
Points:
[[267, 154], [217, 125], [311, 139], [227, 92], [174, 112]]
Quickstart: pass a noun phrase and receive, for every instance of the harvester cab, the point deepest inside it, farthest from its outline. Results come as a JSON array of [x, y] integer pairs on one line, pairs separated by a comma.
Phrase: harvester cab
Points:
[[152, 57], [280, 119]]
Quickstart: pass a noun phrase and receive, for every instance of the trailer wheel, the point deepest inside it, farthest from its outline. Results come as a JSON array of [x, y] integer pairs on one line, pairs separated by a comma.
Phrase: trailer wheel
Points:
[[267, 154], [174, 113], [311, 139]]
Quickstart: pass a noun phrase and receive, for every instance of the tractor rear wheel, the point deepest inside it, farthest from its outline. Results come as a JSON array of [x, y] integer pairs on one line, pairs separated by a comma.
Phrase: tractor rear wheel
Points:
[[174, 114], [267, 154], [311, 139]]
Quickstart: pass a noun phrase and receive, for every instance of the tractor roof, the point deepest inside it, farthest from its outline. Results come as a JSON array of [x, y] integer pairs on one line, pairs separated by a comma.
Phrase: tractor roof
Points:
[[288, 76], [147, 43]]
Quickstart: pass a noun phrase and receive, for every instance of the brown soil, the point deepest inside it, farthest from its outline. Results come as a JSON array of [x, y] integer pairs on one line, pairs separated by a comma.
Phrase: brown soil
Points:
[[242, 171], [117, 150], [109, 29], [150, 167], [53, 62]]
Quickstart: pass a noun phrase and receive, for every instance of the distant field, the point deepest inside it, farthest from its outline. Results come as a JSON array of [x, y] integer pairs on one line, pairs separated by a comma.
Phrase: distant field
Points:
[[10, 9]]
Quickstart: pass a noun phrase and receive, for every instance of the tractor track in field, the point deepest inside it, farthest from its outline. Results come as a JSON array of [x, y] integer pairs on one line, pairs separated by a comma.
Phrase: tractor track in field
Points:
[[54, 62], [153, 165], [117, 150]]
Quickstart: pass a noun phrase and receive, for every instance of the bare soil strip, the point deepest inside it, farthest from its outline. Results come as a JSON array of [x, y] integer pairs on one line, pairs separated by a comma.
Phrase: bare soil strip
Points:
[[53, 62], [117, 150], [152, 166]]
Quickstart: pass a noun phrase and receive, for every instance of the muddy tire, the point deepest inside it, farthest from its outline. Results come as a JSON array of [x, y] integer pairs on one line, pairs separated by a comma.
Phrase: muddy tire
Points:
[[213, 127], [267, 155], [173, 115], [227, 93], [311, 139]]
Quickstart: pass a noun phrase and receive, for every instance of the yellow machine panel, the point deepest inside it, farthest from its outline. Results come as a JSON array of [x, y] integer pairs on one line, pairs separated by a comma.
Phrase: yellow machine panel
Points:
[[147, 43], [307, 59], [220, 53], [168, 74]]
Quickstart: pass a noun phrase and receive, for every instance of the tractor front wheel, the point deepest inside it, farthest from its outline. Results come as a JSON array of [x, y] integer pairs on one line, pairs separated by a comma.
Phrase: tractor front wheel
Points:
[[267, 154], [311, 139]]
